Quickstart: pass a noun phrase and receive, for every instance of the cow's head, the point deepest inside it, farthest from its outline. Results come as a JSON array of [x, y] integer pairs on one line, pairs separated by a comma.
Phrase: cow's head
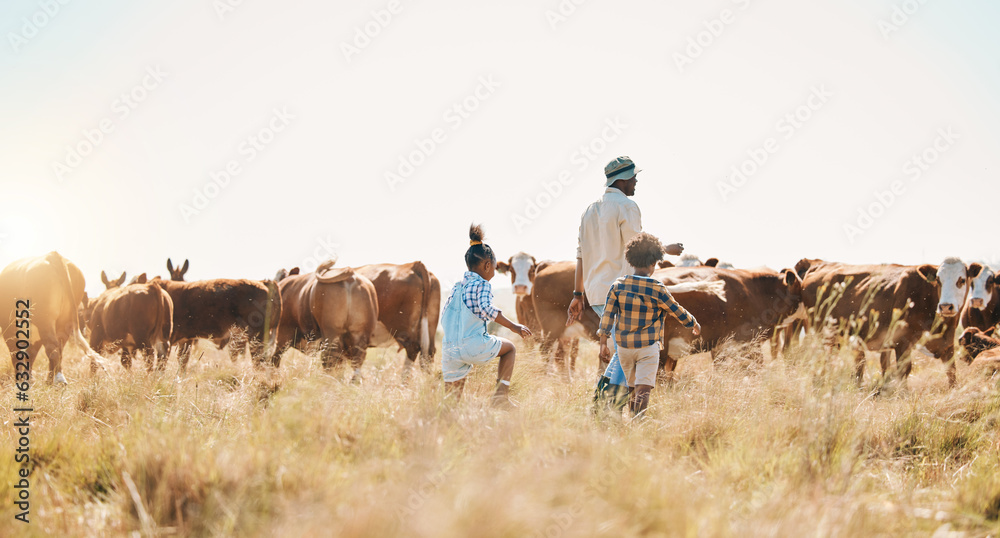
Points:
[[790, 279], [177, 275], [521, 267], [951, 279], [981, 281], [108, 284], [285, 273], [689, 260]]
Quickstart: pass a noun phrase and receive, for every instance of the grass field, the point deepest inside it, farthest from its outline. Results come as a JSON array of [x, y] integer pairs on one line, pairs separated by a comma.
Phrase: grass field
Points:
[[789, 448]]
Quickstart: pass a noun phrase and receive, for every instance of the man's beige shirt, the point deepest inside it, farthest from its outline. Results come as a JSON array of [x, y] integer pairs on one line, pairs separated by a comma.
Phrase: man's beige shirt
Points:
[[605, 228]]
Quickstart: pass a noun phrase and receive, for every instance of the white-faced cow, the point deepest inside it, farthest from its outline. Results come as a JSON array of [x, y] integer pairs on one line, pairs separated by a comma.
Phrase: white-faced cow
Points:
[[136, 317], [924, 299], [39, 301], [406, 314], [982, 309], [336, 307], [548, 322]]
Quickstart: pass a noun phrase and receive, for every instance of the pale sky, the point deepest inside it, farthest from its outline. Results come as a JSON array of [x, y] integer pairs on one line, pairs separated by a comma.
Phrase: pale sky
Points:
[[339, 112]]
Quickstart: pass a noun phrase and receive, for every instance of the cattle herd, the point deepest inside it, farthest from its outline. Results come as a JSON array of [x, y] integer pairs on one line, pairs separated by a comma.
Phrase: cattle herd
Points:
[[340, 312]]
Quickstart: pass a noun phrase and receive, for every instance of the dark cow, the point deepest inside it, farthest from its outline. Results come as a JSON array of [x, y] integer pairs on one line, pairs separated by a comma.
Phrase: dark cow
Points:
[[982, 310], [982, 351], [40, 298], [752, 303], [230, 312], [137, 317], [976, 341], [868, 298], [337, 307], [404, 308]]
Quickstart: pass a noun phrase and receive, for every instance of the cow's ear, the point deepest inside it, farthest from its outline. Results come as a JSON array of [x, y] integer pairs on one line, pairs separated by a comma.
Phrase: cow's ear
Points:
[[293, 271], [121, 279], [712, 262], [184, 268], [503, 268], [802, 266], [974, 269], [928, 272], [170, 266], [104, 279], [141, 279], [790, 277], [665, 264]]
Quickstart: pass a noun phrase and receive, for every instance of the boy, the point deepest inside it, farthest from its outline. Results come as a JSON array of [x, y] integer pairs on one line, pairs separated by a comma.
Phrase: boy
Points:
[[639, 304]]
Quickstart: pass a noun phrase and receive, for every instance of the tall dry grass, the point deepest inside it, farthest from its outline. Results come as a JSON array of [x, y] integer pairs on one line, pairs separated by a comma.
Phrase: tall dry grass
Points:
[[787, 448]]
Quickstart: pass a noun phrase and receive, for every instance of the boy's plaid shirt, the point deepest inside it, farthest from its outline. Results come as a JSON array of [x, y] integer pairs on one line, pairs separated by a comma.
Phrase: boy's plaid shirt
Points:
[[639, 304]]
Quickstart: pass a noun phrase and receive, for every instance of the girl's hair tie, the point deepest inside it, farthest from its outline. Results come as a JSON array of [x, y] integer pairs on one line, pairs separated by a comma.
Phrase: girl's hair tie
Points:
[[474, 243]]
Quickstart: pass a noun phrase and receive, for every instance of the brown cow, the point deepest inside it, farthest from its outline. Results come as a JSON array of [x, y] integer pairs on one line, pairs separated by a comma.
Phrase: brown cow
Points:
[[976, 341], [46, 291], [753, 303], [230, 312], [522, 268], [982, 310], [137, 317], [404, 308], [337, 307], [926, 299]]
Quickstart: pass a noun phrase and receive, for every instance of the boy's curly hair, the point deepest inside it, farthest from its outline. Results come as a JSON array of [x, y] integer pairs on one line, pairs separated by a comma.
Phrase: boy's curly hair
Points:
[[643, 250]]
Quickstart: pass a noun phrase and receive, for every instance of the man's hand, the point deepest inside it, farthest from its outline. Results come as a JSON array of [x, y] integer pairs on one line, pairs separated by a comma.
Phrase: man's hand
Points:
[[674, 249], [575, 310], [696, 330], [605, 352], [523, 331]]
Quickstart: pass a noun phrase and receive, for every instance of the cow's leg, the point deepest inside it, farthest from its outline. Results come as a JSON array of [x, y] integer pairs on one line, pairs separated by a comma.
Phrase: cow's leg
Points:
[[32, 350], [859, 366], [574, 350], [330, 353], [356, 349], [563, 350], [149, 356], [256, 351], [184, 354], [412, 352], [127, 357], [162, 351], [53, 350], [669, 365], [237, 341]]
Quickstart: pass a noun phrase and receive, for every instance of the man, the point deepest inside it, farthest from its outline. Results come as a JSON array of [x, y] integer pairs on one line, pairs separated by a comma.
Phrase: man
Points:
[[605, 227]]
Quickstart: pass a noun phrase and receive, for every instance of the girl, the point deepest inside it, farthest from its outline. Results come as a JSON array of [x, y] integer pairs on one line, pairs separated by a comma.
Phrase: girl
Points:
[[466, 313]]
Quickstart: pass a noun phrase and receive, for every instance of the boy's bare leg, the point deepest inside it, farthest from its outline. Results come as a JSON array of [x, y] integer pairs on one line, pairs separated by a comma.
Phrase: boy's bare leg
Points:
[[505, 369], [640, 399]]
